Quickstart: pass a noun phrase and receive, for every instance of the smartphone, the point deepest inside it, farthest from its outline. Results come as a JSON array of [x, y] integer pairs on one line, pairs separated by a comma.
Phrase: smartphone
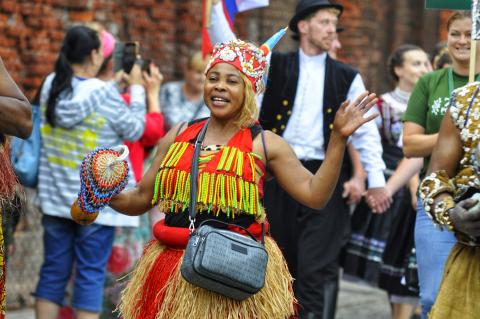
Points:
[[131, 51], [118, 56], [145, 64]]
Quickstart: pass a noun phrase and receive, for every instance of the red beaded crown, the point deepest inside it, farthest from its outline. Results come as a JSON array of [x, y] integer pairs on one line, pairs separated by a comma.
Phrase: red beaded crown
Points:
[[246, 57]]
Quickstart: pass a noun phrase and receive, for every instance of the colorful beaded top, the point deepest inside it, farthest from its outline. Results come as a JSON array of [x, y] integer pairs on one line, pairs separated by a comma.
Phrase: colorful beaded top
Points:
[[465, 113], [228, 180]]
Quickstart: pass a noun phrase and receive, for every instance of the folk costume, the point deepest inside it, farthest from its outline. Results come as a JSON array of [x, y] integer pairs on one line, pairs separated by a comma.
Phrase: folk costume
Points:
[[7, 191], [380, 246], [230, 188], [459, 290]]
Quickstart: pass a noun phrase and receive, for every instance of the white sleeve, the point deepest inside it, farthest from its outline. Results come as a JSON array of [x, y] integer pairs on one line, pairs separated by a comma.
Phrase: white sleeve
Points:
[[219, 30], [366, 140]]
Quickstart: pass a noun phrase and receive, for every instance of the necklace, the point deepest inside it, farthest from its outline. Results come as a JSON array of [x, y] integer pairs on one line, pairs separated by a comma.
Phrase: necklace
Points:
[[400, 96], [213, 147]]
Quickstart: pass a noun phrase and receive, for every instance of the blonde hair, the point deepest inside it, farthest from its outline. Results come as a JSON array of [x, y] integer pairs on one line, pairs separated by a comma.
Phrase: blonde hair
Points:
[[249, 113], [197, 62], [334, 11]]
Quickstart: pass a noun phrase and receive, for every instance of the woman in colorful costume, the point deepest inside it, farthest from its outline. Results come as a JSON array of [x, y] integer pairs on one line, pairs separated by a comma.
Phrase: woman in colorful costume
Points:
[[233, 164], [15, 120], [454, 177]]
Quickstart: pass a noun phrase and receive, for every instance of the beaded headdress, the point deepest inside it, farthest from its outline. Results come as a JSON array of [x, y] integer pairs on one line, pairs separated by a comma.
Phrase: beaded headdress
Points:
[[246, 57]]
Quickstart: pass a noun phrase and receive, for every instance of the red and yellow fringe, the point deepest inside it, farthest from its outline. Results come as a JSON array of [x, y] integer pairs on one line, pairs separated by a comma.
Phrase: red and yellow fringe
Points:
[[226, 190]]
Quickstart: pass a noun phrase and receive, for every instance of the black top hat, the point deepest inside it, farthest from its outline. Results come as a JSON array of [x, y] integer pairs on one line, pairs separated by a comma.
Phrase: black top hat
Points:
[[305, 7]]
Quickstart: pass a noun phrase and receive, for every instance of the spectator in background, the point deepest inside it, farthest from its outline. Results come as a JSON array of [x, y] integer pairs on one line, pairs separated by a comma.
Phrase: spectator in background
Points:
[[336, 44], [442, 59], [16, 120], [381, 244], [154, 120], [129, 241], [79, 113], [182, 101]]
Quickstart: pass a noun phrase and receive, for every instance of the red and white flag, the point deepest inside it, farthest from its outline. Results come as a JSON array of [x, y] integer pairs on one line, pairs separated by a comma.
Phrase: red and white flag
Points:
[[230, 8]]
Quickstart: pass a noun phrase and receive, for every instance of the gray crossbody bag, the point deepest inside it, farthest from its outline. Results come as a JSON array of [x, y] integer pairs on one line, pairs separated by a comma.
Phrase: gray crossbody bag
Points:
[[221, 260]]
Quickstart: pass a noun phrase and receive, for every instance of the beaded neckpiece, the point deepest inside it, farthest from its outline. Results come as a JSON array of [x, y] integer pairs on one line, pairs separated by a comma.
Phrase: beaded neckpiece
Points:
[[227, 182], [211, 148]]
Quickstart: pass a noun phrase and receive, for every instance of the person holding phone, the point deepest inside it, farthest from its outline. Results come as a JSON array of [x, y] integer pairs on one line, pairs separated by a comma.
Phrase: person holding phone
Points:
[[183, 100], [79, 113]]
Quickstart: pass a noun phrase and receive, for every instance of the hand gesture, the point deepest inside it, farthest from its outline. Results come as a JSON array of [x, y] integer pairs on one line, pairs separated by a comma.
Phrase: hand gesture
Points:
[[135, 76], [353, 190], [153, 81], [379, 199], [350, 115], [465, 217]]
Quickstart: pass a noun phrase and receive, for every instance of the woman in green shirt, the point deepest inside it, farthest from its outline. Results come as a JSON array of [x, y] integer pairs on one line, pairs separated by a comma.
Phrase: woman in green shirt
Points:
[[426, 107]]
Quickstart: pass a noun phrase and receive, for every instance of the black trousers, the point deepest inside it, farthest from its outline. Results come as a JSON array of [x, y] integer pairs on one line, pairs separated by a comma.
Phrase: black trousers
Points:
[[311, 241]]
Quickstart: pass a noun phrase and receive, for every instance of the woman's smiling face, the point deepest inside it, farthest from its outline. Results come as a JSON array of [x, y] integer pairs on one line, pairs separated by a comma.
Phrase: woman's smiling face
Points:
[[459, 39], [224, 91]]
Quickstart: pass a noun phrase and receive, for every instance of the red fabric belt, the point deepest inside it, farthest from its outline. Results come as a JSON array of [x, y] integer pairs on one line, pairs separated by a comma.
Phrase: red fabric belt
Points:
[[177, 237]]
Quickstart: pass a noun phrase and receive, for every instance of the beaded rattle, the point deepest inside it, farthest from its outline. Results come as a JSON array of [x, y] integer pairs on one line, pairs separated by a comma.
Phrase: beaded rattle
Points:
[[103, 174]]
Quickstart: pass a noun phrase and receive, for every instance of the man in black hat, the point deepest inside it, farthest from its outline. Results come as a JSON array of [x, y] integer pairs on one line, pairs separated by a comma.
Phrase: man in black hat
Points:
[[304, 91]]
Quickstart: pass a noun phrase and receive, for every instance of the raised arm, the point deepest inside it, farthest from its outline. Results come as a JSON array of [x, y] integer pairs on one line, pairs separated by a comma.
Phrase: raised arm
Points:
[[315, 190], [15, 110]]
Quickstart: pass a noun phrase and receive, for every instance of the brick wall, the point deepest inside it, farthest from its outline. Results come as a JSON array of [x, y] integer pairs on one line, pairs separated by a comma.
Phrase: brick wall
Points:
[[31, 31]]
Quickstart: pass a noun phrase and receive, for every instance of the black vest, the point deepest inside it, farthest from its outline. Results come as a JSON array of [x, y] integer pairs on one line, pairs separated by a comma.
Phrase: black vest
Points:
[[279, 96]]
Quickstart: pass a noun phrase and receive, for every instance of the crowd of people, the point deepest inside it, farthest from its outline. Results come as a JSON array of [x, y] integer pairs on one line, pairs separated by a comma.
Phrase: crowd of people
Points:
[[294, 143]]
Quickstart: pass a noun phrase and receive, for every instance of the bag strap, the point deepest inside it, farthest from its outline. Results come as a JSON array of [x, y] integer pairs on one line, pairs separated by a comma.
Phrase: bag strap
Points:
[[192, 207], [228, 224]]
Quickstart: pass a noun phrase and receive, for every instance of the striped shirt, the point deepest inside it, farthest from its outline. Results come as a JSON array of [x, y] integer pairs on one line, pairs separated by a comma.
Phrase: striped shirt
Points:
[[92, 115]]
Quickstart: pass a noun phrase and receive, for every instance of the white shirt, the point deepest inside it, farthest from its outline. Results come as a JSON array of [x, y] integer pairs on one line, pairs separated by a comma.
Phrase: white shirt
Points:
[[304, 131]]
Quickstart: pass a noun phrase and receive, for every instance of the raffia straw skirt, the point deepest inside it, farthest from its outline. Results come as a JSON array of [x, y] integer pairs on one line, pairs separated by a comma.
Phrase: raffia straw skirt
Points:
[[157, 290], [459, 294]]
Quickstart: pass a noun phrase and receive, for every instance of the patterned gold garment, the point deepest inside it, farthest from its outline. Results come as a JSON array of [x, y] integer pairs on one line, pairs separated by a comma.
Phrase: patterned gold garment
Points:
[[459, 291], [465, 113]]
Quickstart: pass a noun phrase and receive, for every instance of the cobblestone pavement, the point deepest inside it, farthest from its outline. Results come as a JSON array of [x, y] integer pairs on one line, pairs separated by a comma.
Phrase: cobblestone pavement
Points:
[[354, 302]]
